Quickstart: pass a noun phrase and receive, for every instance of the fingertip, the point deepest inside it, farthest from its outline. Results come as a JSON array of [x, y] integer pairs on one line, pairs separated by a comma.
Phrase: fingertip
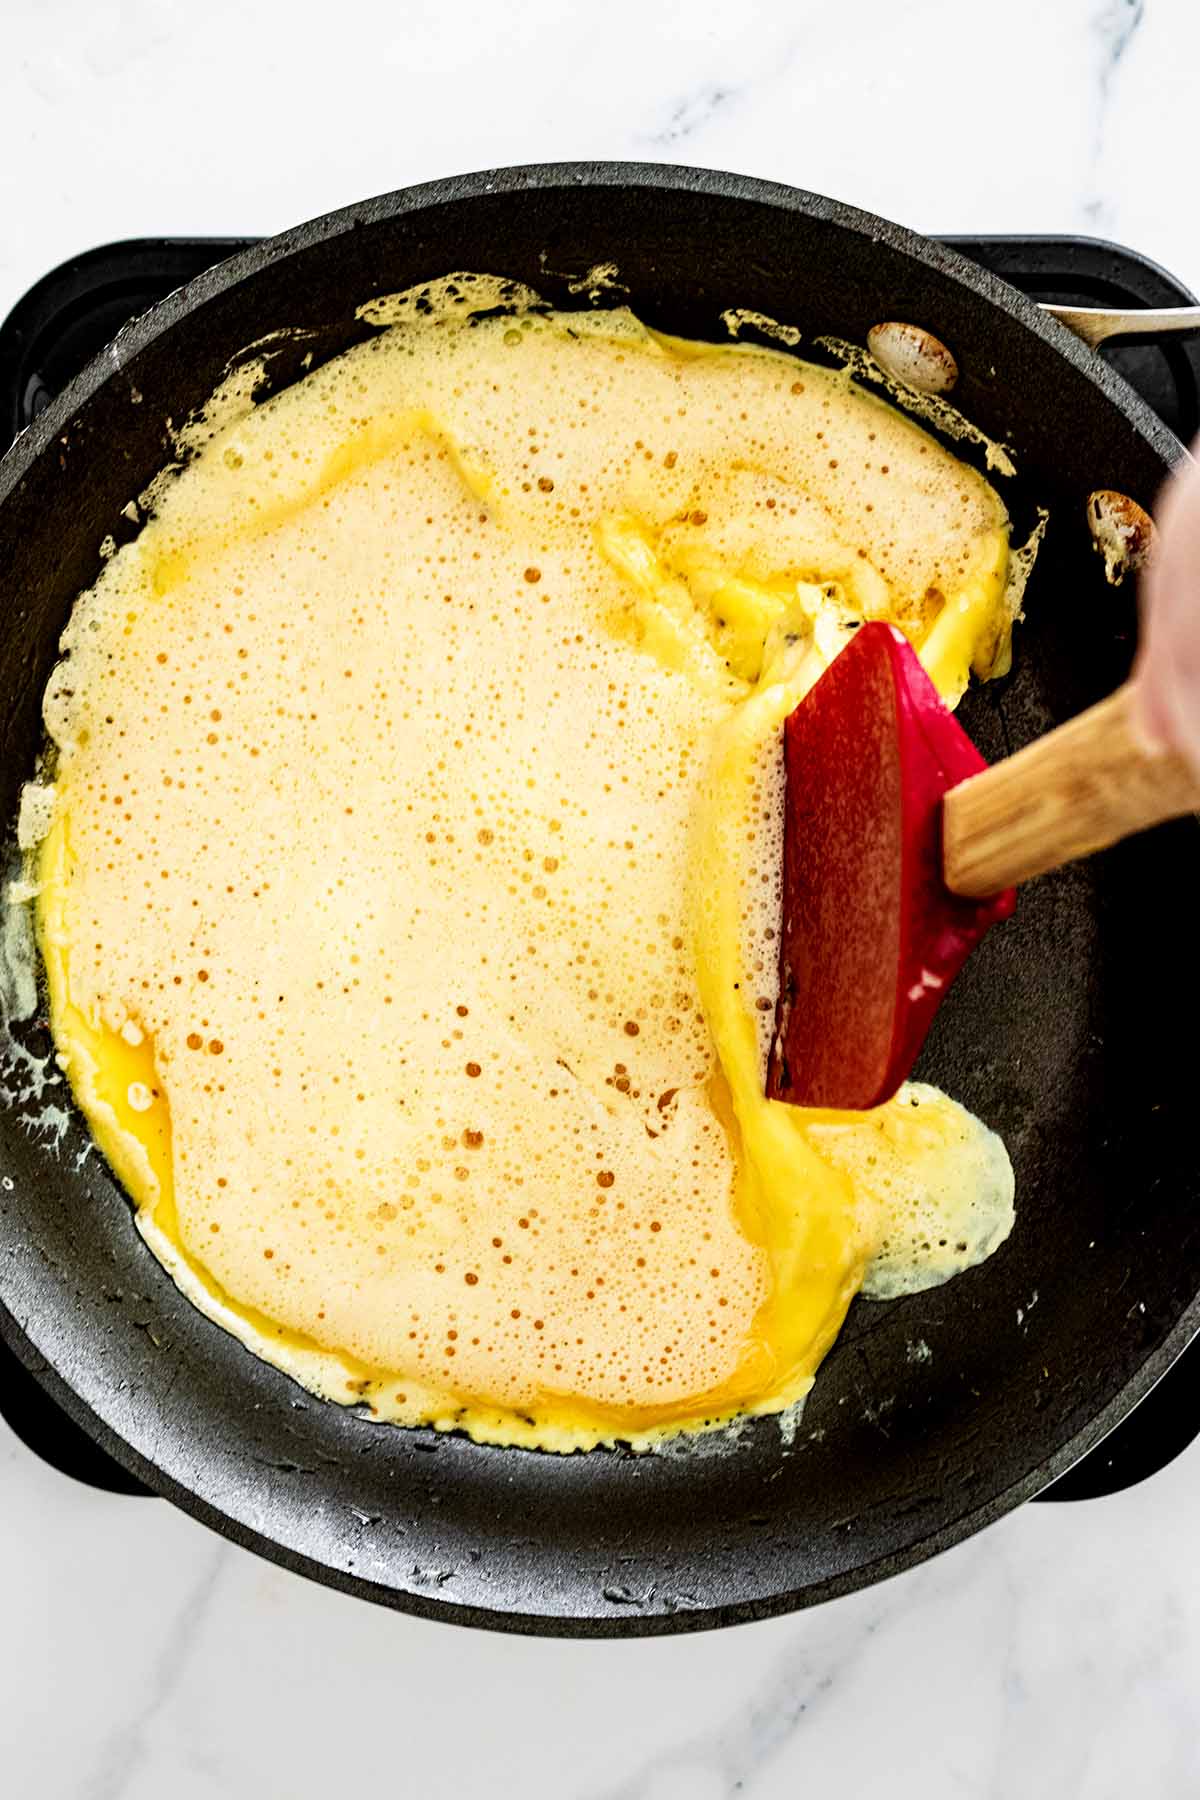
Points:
[[1149, 713]]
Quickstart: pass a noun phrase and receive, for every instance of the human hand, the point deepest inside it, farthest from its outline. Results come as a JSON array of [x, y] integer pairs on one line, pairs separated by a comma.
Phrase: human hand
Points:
[[1167, 671]]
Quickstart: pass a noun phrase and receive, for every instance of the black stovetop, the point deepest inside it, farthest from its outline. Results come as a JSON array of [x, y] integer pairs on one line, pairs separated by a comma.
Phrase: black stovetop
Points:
[[73, 312]]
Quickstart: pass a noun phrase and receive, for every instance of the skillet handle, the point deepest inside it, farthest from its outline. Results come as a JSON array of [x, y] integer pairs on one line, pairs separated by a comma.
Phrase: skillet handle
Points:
[[1095, 324], [1079, 788]]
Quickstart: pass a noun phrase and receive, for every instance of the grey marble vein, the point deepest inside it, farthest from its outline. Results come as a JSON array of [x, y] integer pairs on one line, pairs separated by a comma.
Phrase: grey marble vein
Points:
[[118, 1759], [738, 1748], [1113, 28], [692, 113]]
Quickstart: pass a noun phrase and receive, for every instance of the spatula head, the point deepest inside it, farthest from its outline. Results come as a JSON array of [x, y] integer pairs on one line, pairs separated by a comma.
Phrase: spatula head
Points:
[[872, 938]]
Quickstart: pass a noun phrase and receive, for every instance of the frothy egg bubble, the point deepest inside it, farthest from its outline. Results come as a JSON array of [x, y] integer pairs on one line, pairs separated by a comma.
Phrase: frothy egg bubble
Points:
[[409, 888]]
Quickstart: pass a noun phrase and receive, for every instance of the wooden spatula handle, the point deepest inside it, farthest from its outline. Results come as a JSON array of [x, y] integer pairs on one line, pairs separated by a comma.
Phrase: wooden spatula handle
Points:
[[1078, 789]]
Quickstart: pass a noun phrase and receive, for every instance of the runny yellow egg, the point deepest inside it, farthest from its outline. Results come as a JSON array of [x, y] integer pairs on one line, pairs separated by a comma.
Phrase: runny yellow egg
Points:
[[410, 898]]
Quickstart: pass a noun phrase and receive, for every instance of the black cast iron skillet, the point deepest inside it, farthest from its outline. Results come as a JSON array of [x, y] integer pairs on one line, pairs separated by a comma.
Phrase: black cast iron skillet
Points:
[[1064, 1032]]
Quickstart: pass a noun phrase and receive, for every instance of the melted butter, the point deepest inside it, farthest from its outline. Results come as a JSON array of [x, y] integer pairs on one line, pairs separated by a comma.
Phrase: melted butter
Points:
[[562, 1121]]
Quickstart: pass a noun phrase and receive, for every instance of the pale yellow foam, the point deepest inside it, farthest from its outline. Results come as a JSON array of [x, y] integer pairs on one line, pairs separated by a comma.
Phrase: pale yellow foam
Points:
[[410, 901]]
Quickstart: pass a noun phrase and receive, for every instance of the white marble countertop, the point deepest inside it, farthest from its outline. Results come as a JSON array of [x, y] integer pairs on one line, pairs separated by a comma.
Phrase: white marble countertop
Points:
[[1059, 1653]]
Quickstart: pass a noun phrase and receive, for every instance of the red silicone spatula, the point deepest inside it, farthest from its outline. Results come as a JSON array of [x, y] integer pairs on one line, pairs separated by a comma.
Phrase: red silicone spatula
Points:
[[901, 847]]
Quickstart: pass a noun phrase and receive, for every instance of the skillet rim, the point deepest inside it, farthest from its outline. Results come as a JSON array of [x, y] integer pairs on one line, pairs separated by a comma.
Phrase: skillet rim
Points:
[[666, 179]]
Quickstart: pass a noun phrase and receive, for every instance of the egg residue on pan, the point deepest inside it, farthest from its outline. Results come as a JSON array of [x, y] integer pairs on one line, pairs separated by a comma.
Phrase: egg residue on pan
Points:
[[410, 895]]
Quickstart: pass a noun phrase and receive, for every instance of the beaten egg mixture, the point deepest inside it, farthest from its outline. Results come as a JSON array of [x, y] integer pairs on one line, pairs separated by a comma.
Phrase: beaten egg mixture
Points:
[[409, 888]]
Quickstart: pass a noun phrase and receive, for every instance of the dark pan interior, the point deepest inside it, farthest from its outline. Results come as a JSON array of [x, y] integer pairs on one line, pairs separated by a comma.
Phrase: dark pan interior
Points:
[[1061, 1033]]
